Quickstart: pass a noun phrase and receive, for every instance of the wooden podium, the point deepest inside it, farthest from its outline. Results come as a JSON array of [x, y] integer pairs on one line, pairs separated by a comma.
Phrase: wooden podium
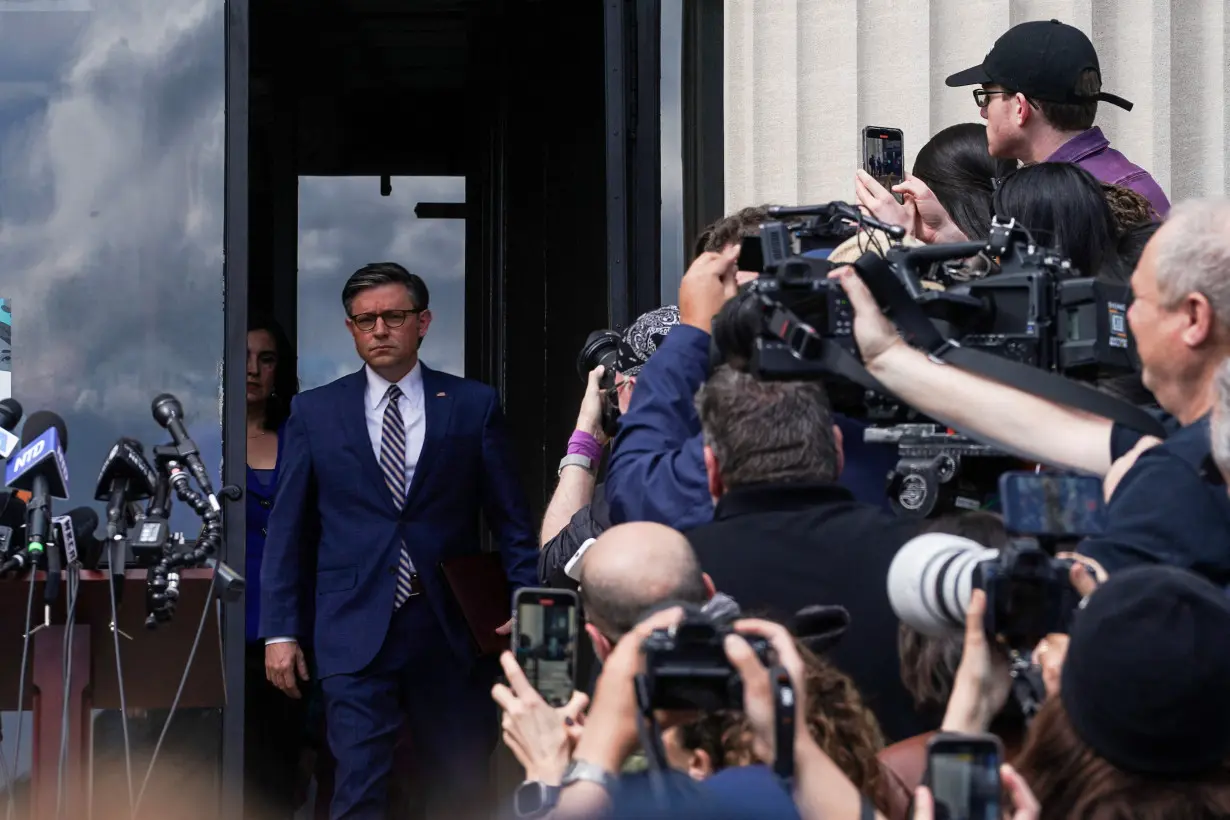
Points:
[[153, 663]]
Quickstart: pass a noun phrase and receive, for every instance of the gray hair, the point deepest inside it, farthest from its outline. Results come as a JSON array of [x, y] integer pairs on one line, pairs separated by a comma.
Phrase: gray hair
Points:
[[766, 432], [1219, 422], [1193, 254], [377, 274]]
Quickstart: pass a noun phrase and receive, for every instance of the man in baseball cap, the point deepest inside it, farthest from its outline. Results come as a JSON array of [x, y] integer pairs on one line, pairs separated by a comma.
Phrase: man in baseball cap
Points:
[[1040, 88]]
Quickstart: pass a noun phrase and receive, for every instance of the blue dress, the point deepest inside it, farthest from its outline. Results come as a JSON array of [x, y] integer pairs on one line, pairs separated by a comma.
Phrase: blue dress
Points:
[[262, 486]]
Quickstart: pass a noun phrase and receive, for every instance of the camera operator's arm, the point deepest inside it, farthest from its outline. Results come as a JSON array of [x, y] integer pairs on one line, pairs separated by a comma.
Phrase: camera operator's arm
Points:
[[821, 788], [983, 679], [657, 467], [993, 412], [576, 484]]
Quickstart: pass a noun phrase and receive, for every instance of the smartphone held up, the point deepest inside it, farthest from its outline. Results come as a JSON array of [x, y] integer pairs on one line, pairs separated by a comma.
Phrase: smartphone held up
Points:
[[545, 641]]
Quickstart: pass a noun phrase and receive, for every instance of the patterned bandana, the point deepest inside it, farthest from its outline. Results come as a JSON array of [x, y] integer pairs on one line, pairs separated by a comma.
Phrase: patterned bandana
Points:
[[644, 337]]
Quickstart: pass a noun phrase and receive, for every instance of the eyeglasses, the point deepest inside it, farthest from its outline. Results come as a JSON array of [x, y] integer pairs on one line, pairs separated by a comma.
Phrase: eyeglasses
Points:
[[982, 96], [392, 318]]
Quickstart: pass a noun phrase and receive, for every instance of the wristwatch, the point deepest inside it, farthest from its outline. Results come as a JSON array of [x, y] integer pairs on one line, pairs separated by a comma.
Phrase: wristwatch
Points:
[[534, 799], [582, 770], [576, 459]]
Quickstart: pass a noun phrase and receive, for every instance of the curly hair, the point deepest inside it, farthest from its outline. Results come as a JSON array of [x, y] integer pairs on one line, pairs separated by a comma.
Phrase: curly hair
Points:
[[1072, 782], [731, 229], [1129, 208], [842, 726]]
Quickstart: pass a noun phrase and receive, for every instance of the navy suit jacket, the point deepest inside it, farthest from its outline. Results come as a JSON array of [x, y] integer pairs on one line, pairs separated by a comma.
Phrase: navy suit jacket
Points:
[[333, 516]]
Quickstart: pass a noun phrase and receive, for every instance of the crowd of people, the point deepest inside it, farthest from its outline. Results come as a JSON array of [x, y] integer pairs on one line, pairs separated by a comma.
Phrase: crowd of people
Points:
[[751, 504]]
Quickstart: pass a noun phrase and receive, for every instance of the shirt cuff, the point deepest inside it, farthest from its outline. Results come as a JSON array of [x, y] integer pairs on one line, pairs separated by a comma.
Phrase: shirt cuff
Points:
[[269, 641]]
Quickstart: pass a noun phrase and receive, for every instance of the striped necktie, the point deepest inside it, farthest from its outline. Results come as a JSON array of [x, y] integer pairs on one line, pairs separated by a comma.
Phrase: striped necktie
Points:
[[393, 465]]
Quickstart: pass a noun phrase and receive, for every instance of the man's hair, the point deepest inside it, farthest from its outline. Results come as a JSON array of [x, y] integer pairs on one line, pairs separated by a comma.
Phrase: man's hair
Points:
[[615, 606], [1075, 116], [1193, 254], [1129, 207], [377, 274], [1219, 423], [731, 229], [767, 432]]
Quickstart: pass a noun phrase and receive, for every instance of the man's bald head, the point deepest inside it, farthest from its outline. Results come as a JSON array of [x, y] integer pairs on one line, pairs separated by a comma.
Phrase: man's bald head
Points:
[[634, 567]]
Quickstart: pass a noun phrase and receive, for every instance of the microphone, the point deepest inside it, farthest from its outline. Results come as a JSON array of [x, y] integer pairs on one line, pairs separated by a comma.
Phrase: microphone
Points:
[[169, 413], [10, 414], [74, 534], [40, 469], [126, 476]]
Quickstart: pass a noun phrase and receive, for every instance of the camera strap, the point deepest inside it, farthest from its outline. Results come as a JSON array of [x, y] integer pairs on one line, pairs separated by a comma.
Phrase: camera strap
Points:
[[784, 708], [919, 331]]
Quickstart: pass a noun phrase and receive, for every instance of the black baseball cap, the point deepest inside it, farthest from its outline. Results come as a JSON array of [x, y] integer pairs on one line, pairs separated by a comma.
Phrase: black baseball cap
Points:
[[1043, 60]]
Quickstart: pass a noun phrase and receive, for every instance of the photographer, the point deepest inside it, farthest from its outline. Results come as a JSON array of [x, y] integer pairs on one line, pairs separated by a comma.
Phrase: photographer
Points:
[[785, 535], [1164, 505], [578, 509]]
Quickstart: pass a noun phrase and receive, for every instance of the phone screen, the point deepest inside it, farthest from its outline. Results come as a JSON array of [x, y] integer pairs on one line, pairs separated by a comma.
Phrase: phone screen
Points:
[[546, 641], [884, 155], [1056, 504], [964, 779]]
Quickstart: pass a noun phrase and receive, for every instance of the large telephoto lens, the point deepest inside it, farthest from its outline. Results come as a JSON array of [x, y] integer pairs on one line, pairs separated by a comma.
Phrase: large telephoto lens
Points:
[[930, 581], [601, 348]]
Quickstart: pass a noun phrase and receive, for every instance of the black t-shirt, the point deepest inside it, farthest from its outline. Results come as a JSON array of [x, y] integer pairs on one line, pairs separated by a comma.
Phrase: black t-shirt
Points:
[[1170, 508]]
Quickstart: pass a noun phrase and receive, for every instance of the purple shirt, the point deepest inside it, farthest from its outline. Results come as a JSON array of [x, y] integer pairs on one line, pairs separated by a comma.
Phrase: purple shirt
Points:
[[1091, 151]]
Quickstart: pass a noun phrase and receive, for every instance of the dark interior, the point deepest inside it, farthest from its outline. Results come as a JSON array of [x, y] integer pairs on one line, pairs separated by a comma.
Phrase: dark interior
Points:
[[512, 94]]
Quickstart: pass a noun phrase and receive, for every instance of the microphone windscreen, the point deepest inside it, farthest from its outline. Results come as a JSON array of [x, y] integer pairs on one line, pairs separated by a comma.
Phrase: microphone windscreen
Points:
[[85, 521], [39, 423], [166, 407], [10, 413]]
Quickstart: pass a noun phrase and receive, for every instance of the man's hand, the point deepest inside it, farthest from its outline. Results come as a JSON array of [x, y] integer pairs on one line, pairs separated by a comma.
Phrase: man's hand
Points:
[[872, 329], [710, 282], [1124, 463], [983, 679], [540, 737], [282, 661], [505, 629], [758, 703], [589, 419]]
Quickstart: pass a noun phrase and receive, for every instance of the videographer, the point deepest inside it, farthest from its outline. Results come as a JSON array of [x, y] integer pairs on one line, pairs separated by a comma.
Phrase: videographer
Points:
[[657, 467], [578, 509], [1164, 506]]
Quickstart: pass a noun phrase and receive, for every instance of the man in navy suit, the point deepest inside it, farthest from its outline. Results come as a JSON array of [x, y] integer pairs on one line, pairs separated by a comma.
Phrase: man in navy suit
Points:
[[391, 466]]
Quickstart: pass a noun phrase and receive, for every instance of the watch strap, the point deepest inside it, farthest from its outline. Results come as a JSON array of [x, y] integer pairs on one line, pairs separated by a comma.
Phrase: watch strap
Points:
[[534, 799], [576, 460], [582, 770]]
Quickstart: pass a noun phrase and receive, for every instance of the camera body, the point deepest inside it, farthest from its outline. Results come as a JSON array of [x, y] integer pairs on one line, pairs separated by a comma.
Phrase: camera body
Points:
[[1029, 595], [602, 348], [686, 666]]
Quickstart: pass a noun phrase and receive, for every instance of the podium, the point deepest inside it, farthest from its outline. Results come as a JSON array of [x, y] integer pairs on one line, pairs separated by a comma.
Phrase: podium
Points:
[[153, 663]]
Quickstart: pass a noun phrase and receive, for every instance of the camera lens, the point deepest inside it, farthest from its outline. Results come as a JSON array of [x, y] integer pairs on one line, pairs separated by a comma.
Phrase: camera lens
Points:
[[600, 348], [930, 581]]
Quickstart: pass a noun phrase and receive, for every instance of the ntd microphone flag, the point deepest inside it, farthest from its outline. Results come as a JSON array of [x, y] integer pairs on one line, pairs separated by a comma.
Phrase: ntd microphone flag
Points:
[[41, 457]]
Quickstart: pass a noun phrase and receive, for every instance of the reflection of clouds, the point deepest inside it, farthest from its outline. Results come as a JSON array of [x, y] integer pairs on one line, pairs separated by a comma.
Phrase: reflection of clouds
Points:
[[111, 215], [344, 224]]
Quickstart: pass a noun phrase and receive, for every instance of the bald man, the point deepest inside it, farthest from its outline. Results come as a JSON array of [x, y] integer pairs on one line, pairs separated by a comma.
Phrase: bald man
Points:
[[631, 568]]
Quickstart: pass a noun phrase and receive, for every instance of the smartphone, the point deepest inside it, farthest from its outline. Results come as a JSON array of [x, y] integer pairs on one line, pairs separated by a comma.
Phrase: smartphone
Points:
[[1062, 505], [751, 254], [545, 640], [884, 155], [963, 775]]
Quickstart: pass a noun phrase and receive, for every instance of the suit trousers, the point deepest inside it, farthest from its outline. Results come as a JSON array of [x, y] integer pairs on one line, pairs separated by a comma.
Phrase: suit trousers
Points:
[[415, 677]]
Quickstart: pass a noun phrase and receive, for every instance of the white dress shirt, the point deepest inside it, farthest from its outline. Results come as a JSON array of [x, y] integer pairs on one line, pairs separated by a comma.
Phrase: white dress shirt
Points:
[[413, 418]]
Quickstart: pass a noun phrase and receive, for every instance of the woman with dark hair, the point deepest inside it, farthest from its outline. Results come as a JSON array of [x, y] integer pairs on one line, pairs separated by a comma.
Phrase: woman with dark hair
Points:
[[1065, 209], [948, 196], [274, 723]]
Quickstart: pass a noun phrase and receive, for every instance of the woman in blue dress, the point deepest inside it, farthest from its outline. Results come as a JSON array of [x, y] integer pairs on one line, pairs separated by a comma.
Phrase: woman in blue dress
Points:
[[274, 723]]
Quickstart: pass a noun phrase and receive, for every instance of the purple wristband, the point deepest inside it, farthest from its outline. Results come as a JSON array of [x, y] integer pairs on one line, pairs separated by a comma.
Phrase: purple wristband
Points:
[[583, 444]]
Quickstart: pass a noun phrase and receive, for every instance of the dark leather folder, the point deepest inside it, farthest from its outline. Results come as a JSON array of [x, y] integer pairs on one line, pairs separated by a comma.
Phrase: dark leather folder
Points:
[[480, 590]]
